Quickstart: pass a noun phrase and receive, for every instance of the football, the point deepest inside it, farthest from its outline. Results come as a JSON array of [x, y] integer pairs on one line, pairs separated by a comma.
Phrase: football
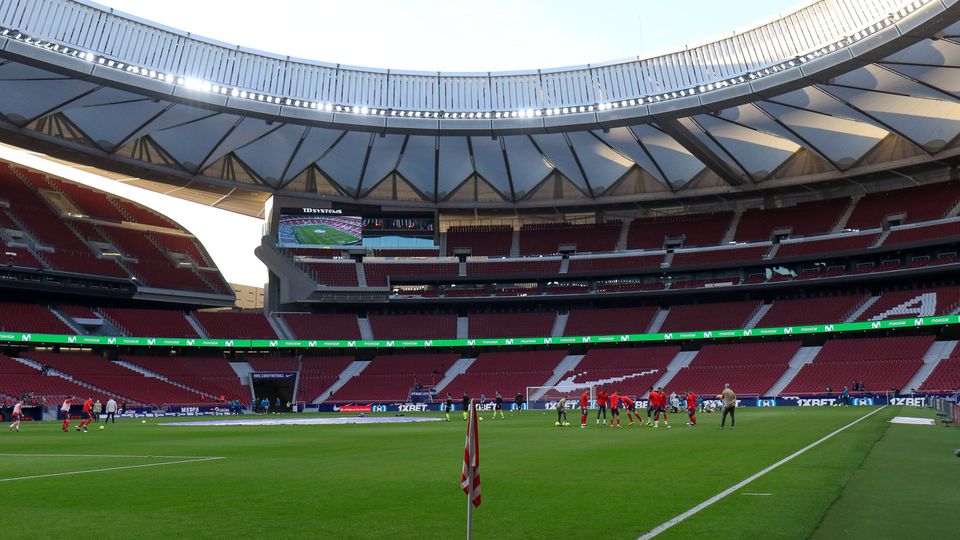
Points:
[[556, 424], [143, 421], [102, 428]]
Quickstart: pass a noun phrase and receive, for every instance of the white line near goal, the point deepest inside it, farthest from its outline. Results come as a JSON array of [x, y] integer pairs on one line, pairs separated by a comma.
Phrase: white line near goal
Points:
[[105, 469], [689, 513]]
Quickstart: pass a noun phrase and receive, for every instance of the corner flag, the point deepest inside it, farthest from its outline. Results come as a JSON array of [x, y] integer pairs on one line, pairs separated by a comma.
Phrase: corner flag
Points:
[[470, 477]]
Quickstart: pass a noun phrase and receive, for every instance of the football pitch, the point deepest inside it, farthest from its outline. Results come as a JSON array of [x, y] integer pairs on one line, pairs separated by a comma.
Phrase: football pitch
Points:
[[873, 479], [323, 235]]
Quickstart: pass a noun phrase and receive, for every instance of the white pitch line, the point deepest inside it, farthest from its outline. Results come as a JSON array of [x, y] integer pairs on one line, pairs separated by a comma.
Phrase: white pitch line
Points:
[[69, 473], [108, 456], [684, 516]]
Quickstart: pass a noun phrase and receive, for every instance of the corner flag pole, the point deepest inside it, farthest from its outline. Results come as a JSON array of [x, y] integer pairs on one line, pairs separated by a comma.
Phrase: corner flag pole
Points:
[[470, 476]]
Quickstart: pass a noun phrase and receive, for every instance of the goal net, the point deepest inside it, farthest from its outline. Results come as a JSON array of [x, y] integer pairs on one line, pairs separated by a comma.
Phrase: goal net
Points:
[[553, 393]]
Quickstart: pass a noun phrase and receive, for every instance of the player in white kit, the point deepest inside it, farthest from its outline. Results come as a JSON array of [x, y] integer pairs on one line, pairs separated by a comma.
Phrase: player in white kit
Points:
[[17, 411], [65, 410]]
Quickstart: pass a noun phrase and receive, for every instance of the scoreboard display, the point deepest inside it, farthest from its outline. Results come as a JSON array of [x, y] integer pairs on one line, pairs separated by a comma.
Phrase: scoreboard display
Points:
[[338, 227]]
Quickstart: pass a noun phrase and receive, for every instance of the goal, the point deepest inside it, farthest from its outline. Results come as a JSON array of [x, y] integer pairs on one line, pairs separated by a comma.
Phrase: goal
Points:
[[553, 393]]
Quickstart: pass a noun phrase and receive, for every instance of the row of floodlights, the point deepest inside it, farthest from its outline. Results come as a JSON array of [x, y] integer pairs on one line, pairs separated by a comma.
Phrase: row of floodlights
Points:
[[237, 93]]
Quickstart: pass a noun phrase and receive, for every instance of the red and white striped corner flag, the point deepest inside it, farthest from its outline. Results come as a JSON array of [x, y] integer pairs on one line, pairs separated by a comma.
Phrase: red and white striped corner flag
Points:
[[470, 477]]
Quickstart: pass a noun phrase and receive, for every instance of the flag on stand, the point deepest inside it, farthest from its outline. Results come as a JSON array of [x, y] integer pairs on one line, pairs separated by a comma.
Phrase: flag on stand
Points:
[[471, 459]]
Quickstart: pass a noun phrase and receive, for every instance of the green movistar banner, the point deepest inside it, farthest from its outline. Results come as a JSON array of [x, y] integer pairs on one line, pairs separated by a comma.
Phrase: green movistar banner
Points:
[[54, 339]]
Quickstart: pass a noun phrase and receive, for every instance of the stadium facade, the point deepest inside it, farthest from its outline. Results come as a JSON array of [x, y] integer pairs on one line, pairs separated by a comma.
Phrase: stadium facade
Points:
[[778, 208]]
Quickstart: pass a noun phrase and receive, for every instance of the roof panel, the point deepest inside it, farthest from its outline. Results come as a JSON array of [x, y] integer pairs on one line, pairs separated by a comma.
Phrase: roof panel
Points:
[[269, 155], [249, 130], [109, 125], [556, 149], [624, 142], [190, 143], [602, 164], [316, 142], [21, 101], [679, 165], [490, 164], [527, 166], [382, 160], [344, 162], [760, 153], [418, 163]]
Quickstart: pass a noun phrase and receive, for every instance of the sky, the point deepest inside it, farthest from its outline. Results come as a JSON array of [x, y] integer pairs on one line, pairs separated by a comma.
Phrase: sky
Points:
[[426, 35]]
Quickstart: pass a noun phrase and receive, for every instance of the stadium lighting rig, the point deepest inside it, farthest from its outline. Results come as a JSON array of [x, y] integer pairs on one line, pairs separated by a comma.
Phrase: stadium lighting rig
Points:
[[366, 110]]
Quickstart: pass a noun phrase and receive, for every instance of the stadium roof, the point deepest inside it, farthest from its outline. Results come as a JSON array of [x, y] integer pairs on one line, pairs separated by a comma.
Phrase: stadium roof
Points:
[[834, 89]]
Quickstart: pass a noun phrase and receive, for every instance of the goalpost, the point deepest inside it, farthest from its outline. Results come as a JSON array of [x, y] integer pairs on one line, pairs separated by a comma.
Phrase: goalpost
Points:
[[555, 392]]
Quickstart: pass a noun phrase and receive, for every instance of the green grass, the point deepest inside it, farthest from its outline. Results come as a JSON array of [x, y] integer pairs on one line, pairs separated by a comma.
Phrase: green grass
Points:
[[308, 235], [539, 481]]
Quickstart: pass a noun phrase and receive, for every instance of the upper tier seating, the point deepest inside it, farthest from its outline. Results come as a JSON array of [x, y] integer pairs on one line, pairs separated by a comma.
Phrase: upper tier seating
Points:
[[17, 379], [629, 371], [750, 368], [414, 326], [720, 316], [921, 203], [504, 372], [268, 363], [317, 373], [828, 246], [697, 230], [116, 379], [916, 235], [609, 321], [484, 240], [150, 322], [212, 375], [538, 267], [916, 303], [30, 318], [323, 326], [752, 254], [804, 219], [507, 325], [613, 264], [391, 377], [333, 274], [881, 363], [377, 273], [546, 238], [231, 324], [830, 309]]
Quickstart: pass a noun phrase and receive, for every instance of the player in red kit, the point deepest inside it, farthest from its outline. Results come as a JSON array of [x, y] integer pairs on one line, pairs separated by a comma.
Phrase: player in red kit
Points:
[[88, 413], [631, 407], [65, 411], [660, 407], [584, 405], [691, 408], [602, 406], [614, 408]]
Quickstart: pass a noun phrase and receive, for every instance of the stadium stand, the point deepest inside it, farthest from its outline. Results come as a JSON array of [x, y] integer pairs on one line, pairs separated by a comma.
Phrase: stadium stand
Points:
[[322, 326], [17, 379], [802, 311], [751, 368], [231, 324], [269, 363], [804, 219], [882, 363], [905, 304], [30, 318], [827, 246], [414, 326], [392, 377], [630, 371], [689, 317], [319, 373], [719, 256], [333, 274], [921, 203], [150, 322], [504, 372], [946, 376], [927, 233], [608, 321], [484, 240], [378, 273], [118, 380], [546, 238], [695, 229], [514, 267], [531, 324], [613, 264], [211, 375]]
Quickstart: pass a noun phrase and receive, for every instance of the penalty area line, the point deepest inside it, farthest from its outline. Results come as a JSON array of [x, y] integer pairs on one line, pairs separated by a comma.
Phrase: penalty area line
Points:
[[689, 513], [106, 469]]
